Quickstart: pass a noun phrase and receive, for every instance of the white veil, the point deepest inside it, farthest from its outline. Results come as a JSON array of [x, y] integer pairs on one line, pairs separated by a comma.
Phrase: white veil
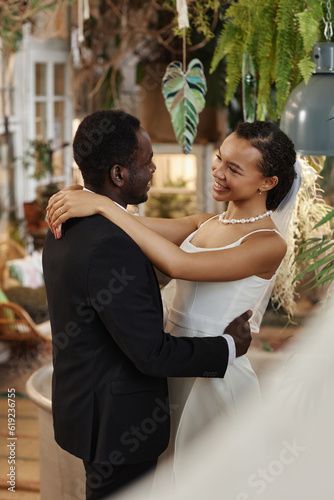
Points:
[[282, 218]]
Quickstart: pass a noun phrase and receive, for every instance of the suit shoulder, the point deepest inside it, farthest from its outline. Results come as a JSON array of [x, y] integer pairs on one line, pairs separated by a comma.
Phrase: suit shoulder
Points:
[[94, 228], [118, 251], [109, 235]]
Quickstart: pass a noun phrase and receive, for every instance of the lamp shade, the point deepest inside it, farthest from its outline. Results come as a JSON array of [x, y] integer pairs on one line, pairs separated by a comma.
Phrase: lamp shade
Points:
[[308, 118]]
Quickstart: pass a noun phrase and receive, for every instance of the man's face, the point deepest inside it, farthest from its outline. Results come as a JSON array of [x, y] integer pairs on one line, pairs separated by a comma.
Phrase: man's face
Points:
[[140, 172]]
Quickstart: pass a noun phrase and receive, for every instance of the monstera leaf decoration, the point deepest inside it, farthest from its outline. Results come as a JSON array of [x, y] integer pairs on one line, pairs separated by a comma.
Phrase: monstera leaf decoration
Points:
[[184, 95]]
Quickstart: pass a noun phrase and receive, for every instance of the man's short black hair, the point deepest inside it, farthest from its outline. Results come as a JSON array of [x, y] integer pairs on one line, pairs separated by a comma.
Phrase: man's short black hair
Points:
[[103, 139]]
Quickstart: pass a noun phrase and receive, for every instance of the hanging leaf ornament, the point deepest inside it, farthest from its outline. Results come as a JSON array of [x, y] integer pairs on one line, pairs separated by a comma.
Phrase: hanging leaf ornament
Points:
[[184, 95]]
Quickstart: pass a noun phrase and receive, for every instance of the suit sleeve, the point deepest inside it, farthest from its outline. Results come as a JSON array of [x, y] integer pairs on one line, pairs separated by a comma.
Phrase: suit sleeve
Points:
[[120, 291]]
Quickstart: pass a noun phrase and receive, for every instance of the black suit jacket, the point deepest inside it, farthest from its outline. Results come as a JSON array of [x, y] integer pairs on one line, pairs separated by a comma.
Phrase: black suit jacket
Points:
[[111, 356]]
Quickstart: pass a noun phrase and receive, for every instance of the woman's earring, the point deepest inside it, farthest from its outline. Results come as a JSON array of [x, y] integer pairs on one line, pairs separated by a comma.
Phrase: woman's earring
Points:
[[259, 190]]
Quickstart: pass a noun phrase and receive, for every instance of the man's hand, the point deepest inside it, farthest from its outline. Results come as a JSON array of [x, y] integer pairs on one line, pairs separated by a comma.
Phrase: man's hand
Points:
[[239, 329]]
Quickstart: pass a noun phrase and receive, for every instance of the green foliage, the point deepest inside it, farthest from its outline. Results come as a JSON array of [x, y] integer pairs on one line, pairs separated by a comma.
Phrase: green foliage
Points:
[[308, 23], [230, 45], [318, 254], [306, 67], [184, 95], [13, 14], [200, 16], [266, 13], [285, 46], [39, 154], [278, 35], [146, 28], [108, 87], [9, 33], [171, 205]]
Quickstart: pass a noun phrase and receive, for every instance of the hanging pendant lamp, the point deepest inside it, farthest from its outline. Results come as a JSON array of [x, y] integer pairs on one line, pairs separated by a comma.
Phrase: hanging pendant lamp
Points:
[[308, 118]]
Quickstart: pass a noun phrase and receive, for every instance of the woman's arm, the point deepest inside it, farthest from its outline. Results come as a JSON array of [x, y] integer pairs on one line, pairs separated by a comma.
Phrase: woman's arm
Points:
[[174, 230], [248, 259], [84, 203]]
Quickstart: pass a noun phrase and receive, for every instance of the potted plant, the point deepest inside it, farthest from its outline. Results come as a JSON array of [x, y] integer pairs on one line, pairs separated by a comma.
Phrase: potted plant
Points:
[[39, 157]]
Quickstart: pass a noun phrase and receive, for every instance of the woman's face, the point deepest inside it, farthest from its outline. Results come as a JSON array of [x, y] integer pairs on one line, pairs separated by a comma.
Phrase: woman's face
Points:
[[236, 173]]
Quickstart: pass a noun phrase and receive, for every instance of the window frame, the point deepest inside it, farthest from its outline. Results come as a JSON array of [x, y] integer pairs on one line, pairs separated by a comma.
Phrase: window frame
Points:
[[48, 51]]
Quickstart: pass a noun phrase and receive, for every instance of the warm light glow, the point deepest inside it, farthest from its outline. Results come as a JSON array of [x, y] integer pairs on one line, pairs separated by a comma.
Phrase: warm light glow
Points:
[[302, 116], [75, 125], [174, 168]]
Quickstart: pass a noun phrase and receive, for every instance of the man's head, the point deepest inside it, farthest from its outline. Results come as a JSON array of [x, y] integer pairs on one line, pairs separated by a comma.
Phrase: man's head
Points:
[[114, 155]]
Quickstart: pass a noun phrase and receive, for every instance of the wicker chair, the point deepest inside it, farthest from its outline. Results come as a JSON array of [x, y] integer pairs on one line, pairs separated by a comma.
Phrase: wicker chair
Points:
[[16, 325], [9, 249]]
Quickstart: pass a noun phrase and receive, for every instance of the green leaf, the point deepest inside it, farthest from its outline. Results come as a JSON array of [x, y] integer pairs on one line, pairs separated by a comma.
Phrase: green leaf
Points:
[[319, 263], [314, 251], [309, 25], [325, 279], [325, 219], [184, 95], [306, 68]]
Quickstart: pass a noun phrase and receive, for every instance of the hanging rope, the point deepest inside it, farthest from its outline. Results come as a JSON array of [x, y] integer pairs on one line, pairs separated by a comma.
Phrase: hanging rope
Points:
[[183, 19]]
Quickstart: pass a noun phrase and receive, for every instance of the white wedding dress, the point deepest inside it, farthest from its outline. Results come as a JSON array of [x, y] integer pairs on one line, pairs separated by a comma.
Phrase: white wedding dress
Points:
[[198, 309]]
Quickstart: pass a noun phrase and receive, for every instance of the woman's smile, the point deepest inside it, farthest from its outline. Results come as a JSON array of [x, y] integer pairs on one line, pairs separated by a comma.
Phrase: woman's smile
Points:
[[217, 186]]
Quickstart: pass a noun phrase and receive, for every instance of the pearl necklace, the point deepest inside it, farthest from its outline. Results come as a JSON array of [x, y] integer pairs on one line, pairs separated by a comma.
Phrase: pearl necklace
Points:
[[243, 221]]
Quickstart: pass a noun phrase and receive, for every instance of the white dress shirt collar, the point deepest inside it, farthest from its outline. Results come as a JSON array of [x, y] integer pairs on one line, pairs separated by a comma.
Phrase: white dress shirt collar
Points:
[[90, 191]]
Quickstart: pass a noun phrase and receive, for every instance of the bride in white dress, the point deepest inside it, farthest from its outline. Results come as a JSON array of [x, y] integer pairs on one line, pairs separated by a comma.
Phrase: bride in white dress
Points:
[[225, 265]]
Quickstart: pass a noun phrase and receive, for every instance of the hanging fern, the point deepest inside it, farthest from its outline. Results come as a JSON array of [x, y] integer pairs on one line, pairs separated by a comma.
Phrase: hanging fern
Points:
[[285, 45], [309, 31], [235, 37], [279, 36], [265, 13]]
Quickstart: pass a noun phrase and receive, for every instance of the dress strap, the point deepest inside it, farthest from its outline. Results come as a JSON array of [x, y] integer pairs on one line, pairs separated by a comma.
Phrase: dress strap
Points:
[[258, 231], [207, 220]]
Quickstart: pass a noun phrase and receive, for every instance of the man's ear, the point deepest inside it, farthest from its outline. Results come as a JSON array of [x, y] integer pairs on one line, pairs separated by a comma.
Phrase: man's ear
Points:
[[118, 175]]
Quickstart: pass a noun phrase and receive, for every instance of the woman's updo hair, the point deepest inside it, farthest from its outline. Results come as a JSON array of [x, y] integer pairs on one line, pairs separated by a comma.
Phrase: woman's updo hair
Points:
[[278, 156]]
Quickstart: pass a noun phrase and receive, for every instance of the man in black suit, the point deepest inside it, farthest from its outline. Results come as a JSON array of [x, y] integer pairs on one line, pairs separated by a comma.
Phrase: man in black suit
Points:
[[111, 356]]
